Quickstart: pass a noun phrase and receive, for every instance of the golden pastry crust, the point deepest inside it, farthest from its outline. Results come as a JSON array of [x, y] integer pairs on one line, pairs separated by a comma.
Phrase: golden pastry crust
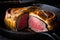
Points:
[[10, 18], [47, 17]]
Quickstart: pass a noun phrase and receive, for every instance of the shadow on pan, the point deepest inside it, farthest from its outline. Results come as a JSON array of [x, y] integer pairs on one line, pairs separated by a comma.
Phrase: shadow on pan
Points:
[[26, 35]]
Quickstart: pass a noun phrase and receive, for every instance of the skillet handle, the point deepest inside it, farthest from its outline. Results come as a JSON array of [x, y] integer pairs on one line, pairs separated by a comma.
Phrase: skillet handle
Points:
[[49, 35], [54, 36]]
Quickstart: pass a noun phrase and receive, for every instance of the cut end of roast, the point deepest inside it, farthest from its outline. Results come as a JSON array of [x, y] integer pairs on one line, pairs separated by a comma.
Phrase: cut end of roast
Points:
[[37, 25], [22, 21]]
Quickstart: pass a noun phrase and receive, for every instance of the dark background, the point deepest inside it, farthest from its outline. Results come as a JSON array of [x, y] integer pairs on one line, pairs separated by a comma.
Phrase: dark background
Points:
[[55, 3], [50, 2]]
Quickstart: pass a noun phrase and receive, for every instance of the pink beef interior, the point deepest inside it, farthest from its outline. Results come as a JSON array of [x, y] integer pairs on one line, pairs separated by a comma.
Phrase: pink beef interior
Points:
[[22, 21], [36, 25]]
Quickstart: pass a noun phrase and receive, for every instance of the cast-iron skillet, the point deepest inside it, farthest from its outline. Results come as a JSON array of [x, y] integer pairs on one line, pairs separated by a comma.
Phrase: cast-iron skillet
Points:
[[27, 35]]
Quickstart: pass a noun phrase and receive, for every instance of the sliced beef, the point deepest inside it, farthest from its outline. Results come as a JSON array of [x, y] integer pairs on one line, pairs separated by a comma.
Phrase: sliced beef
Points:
[[22, 21], [36, 24]]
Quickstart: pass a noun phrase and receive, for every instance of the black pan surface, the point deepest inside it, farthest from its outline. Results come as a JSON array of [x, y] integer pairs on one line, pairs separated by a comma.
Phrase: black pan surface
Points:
[[26, 35]]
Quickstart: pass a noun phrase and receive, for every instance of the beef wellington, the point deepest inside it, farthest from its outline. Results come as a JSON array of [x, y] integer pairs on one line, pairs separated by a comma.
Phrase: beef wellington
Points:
[[31, 18], [42, 21], [12, 14]]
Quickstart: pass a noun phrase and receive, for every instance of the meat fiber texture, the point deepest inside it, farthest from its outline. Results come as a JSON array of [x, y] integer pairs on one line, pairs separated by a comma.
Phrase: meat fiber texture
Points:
[[22, 22], [36, 24], [32, 22]]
